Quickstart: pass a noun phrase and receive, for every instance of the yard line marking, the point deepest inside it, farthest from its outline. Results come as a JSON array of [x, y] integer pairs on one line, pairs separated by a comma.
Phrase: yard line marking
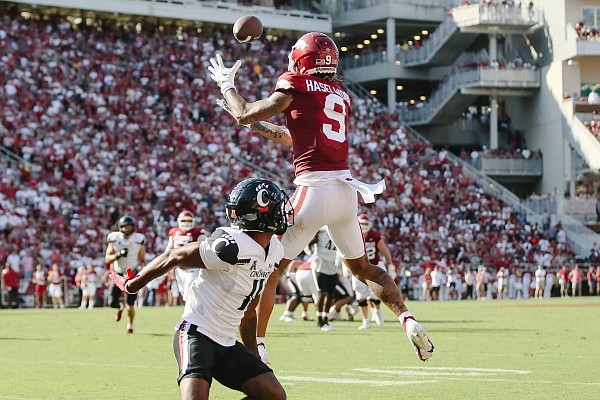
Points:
[[351, 381], [441, 371], [304, 378]]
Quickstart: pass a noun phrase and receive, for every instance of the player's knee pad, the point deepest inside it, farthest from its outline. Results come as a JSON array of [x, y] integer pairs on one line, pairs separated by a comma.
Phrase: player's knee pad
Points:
[[362, 302]]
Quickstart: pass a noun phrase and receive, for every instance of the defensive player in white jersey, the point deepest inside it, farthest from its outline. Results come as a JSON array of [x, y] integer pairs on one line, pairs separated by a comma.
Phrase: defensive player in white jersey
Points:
[[234, 263], [317, 108], [125, 249], [185, 232], [323, 253]]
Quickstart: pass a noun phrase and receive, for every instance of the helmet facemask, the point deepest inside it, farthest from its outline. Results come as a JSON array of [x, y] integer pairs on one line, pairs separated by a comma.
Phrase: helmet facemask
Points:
[[259, 205], [185, 221], [314, 53], [126, 225]]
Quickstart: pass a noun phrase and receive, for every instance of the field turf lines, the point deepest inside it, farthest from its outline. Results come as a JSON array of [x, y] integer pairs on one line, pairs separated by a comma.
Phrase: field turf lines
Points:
[[515, 349]]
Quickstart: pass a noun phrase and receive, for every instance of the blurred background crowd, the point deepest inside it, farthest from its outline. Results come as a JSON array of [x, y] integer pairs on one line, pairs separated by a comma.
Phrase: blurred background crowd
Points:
[[118, 119]]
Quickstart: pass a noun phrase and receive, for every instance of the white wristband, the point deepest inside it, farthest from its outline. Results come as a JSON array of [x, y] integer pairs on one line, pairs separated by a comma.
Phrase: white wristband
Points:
[[226, 86], [402, 317], [127, 291]]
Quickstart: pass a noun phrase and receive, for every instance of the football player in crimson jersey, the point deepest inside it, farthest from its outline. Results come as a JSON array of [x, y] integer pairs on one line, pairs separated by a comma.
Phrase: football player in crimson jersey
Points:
[[374, 246], [185, 232], [317, 110], [234, 264]]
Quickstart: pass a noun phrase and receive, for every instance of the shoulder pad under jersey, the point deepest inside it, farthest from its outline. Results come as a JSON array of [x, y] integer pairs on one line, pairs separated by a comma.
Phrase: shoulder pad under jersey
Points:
[[224, 246]]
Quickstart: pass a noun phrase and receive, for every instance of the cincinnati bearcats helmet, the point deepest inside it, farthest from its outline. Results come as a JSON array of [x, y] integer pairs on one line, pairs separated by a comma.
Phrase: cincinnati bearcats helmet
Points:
[[314, 53], [125, 221], [365, 223], [256, 204], [185, 220]]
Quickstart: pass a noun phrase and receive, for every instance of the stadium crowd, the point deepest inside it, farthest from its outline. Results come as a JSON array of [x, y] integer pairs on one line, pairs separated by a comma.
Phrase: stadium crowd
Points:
[[123, 120]]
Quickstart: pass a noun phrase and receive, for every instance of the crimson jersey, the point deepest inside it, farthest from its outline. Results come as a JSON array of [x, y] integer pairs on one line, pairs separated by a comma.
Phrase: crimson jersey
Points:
[[317, 119], [371, 240], [181, 237]]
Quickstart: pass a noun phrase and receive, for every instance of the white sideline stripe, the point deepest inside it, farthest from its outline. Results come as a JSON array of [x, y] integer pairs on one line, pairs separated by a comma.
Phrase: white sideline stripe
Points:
[[441, 371], [351, 381]]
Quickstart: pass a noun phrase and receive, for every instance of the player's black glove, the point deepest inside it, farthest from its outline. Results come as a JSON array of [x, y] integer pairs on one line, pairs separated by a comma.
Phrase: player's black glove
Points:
[[122, 253]]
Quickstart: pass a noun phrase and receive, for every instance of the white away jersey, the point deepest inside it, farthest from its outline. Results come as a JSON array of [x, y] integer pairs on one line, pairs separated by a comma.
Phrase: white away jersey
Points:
[[236, 272], [133, 244], [324, 254]]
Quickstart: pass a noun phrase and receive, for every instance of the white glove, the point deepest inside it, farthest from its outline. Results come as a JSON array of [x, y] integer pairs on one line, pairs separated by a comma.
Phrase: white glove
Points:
[[392, 271], [222, 75], [417, 336], [262, 352]]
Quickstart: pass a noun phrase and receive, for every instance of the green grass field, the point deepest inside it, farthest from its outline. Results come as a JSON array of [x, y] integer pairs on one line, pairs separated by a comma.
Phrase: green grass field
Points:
[[523, 349]]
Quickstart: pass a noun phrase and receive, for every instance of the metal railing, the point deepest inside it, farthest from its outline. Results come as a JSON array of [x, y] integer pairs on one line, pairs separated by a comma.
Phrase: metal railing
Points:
[[465, 16], [431, 46], [474, 14], [11, 159], [480, 77], [489, 185], [509, 166], [350, 5]]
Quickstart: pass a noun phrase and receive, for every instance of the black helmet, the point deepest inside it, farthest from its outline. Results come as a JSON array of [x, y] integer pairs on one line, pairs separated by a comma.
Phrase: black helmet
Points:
[[256, 204], [126, 220]]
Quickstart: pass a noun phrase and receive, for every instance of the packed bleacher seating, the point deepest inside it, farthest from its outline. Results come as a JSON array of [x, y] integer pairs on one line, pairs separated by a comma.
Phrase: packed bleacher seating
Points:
[[116, 118]]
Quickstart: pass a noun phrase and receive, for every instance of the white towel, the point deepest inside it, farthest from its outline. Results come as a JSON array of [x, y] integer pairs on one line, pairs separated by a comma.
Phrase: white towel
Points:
[[366, 190]]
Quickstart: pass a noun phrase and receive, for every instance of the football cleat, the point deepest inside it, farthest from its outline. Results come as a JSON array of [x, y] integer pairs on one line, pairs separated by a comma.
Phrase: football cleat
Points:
[[327, 328], [287, 318], [334, 315], [119, 313], [365, 325]]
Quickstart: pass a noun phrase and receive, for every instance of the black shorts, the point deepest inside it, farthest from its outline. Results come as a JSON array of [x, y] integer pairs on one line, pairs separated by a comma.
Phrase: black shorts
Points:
[[200, 357], [115, 296], [326, 283], [341, 292]]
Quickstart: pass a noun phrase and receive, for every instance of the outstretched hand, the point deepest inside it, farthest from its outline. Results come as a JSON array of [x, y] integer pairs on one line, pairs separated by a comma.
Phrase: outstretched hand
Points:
[[222, 75], [121, 281], [417, 336]]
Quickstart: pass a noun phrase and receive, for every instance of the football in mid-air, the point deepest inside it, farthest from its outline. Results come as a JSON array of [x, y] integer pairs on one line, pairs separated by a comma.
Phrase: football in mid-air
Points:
[[247, 28]]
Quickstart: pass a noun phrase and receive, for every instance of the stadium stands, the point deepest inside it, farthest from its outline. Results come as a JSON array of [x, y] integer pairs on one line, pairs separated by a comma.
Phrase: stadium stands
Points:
[[116, 118]]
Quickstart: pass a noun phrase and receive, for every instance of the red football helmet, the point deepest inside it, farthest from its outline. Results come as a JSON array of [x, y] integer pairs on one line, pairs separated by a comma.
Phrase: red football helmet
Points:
[[314, 53], [185, 219], [365, 223]]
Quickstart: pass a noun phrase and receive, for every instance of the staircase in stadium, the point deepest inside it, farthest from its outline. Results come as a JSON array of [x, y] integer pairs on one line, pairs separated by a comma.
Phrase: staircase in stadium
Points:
[[458, 31], [463, 87]]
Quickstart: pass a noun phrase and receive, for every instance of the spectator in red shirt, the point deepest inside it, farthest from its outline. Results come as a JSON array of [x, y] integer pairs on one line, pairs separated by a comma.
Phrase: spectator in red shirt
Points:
[[591, 278], [10, 279], [576, 278], [563, 279]]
